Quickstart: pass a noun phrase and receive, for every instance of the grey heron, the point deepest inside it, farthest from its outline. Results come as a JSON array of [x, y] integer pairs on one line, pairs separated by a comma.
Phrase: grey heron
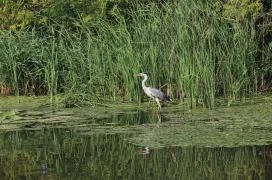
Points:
[[154, 93]]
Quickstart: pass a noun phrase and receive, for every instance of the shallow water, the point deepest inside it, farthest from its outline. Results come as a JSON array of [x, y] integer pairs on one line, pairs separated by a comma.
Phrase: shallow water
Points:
[[130, 143]]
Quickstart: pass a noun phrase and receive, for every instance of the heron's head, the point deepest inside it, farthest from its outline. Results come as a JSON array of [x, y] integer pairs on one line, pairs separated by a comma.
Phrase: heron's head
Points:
[[140, 74]]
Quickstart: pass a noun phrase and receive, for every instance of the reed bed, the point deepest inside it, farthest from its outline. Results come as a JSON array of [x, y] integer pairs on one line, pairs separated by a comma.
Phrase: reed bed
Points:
[[187, 49]]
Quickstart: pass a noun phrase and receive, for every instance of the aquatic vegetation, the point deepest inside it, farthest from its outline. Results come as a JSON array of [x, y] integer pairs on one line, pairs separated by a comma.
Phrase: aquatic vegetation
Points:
[[175, 43], [232, 126], [8, 115]]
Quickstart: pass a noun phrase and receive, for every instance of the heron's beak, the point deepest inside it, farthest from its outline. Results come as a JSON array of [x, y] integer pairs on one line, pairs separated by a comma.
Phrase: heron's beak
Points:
[[136, 75]]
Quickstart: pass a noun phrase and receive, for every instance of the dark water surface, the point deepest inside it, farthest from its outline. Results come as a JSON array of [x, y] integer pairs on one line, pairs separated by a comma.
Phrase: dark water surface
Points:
[[73, 144], [64, 154]]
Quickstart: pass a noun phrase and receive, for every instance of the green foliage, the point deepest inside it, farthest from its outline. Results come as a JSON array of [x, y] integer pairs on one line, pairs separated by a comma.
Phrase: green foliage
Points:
[[239, 10], [20, 14], [193, 54]]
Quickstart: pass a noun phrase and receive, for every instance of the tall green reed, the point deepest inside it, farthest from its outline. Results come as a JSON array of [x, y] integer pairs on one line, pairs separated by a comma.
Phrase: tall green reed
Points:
[[21, 61], [186, 49], [208, 56]]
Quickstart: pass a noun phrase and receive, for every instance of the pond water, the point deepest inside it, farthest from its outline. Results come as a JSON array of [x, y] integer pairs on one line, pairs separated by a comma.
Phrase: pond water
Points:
[[131, 143]]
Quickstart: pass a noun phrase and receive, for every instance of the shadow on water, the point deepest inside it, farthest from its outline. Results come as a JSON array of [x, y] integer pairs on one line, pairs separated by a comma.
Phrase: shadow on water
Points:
[[133, 145]]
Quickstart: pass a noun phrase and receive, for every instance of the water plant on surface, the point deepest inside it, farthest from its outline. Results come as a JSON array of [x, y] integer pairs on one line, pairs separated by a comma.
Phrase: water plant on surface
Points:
[[8, 115]]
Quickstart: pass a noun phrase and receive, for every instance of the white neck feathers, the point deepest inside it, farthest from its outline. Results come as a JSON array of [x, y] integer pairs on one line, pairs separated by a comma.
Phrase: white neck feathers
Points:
[[144, 80]]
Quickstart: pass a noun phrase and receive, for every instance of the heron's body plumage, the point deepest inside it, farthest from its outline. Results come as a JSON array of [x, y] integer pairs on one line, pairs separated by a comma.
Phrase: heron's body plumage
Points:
[[154, 93]]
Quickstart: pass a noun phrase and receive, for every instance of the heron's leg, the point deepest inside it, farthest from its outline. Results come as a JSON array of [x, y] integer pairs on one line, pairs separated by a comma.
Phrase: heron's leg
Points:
[[159, 119], [159, 105]]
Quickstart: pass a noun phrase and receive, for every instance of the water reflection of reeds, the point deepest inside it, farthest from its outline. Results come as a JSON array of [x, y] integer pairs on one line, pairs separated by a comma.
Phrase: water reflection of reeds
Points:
[[68, 155]]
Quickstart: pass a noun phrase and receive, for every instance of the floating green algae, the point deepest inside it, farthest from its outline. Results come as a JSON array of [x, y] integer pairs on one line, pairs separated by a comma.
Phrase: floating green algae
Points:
[[228, 127], [237, 125]]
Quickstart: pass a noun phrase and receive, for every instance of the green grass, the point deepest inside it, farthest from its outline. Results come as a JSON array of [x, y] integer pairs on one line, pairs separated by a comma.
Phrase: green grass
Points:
[[187, 49]]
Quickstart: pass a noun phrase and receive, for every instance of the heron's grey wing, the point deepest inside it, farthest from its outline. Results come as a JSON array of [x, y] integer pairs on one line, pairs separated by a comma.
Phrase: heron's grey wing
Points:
[[156, 93]]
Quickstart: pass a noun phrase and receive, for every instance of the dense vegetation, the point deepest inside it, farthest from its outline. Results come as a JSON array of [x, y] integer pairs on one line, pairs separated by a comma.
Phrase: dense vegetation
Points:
[[88, 51]]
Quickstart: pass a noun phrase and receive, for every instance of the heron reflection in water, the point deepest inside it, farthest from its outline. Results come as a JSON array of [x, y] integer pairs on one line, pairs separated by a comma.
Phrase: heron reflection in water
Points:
[[154, 93]]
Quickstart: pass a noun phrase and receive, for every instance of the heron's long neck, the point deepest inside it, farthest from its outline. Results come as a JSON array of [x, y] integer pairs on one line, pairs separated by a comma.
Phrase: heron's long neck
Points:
[[143, 82]]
